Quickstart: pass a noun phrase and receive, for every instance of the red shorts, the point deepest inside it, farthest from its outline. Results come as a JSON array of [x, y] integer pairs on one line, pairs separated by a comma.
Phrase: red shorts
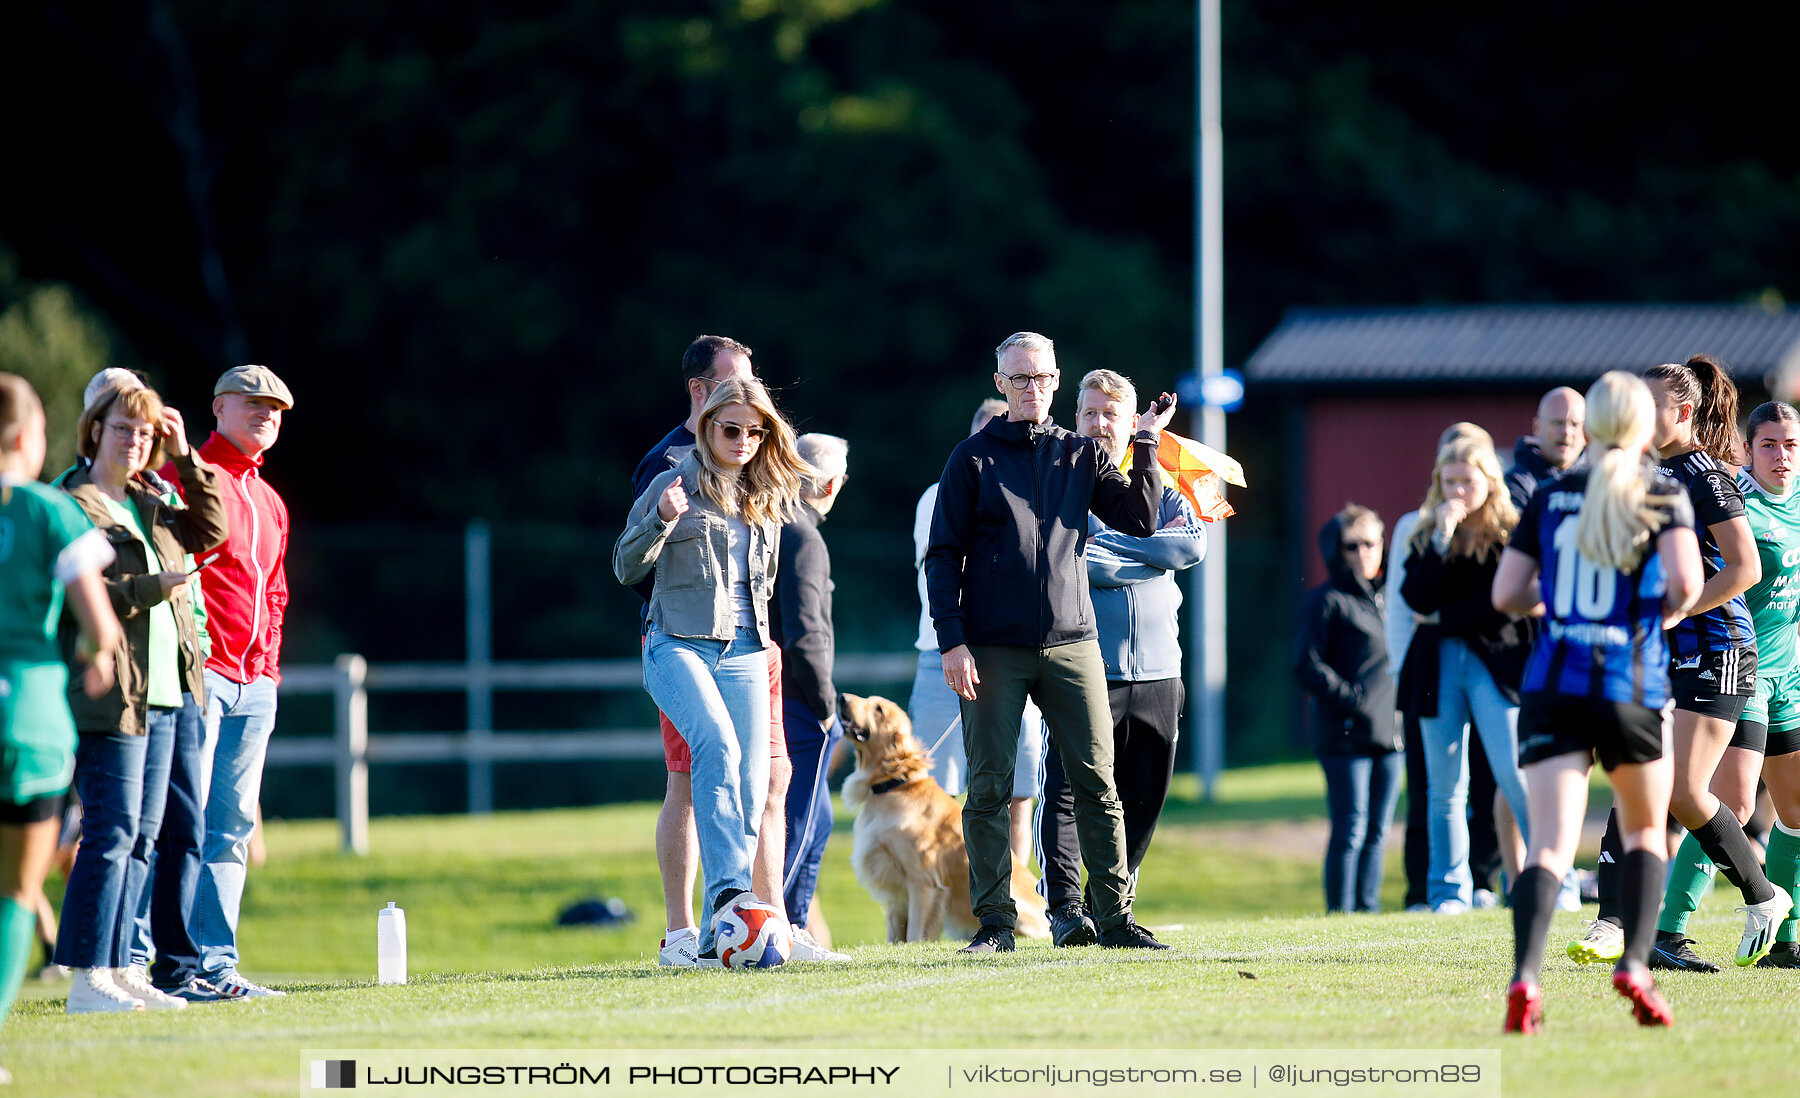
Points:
[[675, 749]]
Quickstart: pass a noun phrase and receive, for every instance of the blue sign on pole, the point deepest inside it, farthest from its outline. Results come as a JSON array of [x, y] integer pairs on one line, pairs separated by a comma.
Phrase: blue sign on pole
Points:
[[1224, 391]]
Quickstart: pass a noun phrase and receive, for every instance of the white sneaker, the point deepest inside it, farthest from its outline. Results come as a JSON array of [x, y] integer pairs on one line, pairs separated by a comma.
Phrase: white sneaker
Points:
[[1483, 899], [680, 948], [807, 948], [1760, 921], [1603, 943], [1450, 907], [94, 992], [136, 982], [234, 986]]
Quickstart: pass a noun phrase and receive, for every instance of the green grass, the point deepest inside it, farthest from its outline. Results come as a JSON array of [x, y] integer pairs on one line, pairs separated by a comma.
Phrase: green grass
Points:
[[1235, 883]]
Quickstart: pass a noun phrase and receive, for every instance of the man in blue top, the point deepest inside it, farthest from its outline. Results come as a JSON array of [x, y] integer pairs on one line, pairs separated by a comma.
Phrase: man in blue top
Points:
[[1137, 604]]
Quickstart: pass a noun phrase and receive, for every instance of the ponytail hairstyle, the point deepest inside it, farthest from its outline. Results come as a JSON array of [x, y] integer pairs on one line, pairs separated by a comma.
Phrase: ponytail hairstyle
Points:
[[1618, 515], [19, 407], [1705, 382], [768, 488], [1486, 529], [20, 411]]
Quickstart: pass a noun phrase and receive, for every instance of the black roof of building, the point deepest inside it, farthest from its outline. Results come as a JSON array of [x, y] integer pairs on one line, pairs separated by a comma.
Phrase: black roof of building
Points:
[[1524, 343]]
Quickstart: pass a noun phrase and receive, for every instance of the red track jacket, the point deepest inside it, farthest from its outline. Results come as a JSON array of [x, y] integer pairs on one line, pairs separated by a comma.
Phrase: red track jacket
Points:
[[246, 587]]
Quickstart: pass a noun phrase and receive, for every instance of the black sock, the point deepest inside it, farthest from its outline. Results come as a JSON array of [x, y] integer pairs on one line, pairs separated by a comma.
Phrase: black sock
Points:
[[1641, 879], [727, 895], [1724, 841], [1612, 853], [1533, 904]]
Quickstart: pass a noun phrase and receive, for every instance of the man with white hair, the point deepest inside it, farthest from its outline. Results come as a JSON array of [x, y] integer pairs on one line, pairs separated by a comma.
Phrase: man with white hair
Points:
[[1009, 598], [933, 709], [800, 621]]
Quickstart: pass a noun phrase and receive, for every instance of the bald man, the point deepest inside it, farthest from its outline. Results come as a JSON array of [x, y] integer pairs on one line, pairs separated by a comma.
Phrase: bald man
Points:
[[1558, 435]]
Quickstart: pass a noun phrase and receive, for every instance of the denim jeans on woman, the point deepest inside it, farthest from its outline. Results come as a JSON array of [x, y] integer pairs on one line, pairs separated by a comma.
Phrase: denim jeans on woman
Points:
[[1361, 792], [123, 781], [716, 694], [173, 857], [1466, 696]]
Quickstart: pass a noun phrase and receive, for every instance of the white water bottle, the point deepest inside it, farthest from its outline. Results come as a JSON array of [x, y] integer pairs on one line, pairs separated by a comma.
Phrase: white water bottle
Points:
[[390, 945]]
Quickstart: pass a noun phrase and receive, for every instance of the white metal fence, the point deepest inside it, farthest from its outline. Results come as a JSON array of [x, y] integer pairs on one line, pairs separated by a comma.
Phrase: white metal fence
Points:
[[352, 747]]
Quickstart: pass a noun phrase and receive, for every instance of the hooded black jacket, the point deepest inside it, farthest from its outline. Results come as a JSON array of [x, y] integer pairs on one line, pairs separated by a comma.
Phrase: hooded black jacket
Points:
[[1342, 659], [1006, 562]]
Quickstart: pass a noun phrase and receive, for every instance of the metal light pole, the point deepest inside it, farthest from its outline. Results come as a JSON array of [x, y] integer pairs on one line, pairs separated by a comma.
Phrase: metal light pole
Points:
[[1206, 670]]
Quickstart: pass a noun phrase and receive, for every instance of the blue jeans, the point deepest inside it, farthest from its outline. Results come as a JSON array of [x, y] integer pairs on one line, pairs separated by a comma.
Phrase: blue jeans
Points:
[[239, 719], [1466, 695], [716, 694], [1361, 791], [164, 908], [809, 816], [123, 781]]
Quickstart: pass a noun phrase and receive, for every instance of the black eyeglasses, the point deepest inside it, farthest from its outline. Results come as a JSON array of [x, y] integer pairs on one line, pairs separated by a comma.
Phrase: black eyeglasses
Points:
[[1022, 382], [731, 431], [1353, 546]]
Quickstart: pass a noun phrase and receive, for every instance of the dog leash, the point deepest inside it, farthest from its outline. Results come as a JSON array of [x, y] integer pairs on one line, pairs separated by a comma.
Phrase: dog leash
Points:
[[932, 750]]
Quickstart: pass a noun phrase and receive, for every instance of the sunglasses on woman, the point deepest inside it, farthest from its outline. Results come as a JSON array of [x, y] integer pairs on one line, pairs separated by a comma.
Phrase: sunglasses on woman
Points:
[[731, 431]]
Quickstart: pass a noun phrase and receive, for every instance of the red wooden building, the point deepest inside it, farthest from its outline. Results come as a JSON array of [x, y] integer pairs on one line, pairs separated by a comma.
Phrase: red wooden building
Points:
[[1370, 390]]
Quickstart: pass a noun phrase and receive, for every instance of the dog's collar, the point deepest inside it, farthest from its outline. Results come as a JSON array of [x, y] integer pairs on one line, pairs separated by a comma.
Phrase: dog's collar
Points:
[[888, 786]]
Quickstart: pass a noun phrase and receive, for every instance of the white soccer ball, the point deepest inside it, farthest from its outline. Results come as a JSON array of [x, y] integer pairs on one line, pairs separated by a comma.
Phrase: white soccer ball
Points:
[[749, 933]]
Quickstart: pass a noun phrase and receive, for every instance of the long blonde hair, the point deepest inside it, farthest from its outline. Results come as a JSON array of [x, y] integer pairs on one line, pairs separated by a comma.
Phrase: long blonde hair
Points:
[[1617, 519], [1486, 529], [767, 489]]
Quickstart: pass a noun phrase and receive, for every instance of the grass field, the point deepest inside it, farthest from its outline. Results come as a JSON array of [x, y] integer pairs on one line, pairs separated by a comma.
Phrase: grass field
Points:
[[1232, 884]]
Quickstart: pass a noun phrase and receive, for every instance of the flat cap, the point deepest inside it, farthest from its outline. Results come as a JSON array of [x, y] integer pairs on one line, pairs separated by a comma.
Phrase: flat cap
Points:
[[254, 381]]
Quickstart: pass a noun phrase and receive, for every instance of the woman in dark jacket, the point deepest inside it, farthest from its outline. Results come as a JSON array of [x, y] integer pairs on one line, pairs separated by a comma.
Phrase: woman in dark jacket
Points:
[[1466, 660], [128, 733], [1342, 663]]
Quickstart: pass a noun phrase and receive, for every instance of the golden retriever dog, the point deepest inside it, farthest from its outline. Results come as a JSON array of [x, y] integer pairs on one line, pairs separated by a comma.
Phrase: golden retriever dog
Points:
[[908, 849]]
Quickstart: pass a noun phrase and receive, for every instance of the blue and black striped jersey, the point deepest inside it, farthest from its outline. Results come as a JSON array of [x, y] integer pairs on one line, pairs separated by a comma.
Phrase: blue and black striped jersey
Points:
[[1602, 635], [1716, 498]]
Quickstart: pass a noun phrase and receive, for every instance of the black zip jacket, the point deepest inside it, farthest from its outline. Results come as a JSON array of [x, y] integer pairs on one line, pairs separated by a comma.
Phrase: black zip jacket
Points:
[[1460, 591], [1342, 661], [801, 615], [1006, 562], [1529, 470]]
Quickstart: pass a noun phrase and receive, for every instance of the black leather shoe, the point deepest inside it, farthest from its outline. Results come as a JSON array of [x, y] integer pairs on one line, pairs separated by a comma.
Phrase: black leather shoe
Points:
[[1070, 926], [1129, 935], [990, 939]]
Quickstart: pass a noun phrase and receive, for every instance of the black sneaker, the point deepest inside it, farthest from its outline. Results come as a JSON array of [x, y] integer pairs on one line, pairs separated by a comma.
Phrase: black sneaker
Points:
[[1674, 952], [1782, 955], [1070, 926], [990, 939], [1129, 935]]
